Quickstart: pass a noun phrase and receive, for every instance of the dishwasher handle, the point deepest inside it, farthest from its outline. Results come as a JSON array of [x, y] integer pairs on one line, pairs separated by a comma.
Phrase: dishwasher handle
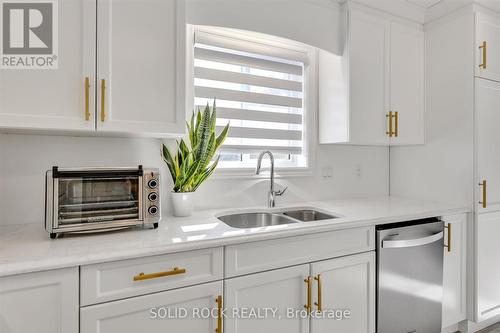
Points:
[[386, 244]]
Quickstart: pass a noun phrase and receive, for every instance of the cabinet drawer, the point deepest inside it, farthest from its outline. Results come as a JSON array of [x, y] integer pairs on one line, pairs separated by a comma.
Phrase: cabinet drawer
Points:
[[155, 313], [120, 279], [260, 256]]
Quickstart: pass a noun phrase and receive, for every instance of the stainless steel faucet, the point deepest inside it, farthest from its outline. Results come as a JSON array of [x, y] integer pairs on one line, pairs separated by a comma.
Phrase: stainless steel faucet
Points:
[[272, 193]]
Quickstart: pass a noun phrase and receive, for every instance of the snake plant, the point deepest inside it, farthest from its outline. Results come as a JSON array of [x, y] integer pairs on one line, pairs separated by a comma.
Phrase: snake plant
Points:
[[191, 165]]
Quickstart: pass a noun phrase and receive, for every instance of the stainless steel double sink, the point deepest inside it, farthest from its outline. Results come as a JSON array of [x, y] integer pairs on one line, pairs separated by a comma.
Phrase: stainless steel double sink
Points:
[[266, 219]]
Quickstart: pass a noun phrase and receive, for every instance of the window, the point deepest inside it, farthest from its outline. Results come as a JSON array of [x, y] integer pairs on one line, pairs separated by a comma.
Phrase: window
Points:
[[260, 86]]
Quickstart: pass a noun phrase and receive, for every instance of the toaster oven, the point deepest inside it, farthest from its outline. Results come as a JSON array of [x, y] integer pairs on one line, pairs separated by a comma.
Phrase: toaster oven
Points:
[[99, 199]]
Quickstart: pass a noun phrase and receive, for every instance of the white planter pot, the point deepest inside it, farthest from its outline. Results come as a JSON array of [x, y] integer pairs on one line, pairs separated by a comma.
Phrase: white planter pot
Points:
[[183, 203]]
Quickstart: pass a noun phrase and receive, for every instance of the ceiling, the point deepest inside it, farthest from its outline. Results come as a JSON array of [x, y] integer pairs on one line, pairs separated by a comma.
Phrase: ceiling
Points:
[[423, 11], [424, 3]]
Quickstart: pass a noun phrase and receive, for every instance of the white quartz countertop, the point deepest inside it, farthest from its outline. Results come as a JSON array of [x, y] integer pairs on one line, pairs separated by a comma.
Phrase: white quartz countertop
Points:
[[28, 248]]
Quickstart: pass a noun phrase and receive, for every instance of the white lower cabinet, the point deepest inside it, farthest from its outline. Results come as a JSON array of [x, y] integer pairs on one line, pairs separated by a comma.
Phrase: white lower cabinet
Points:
[[270, 254], [346, 284], [156, 313], [280, 289], [339, 293], [454, 270], [487, 267], [44, 302]]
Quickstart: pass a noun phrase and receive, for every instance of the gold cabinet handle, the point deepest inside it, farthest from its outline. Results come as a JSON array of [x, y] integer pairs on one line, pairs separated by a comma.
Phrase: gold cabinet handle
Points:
[[396, 124], [483, 47], [103, 100], [448, 245], [87, 98], [175, 271], [389, 116], [319, 302], [308, 282], [218, 300], [483, 202]]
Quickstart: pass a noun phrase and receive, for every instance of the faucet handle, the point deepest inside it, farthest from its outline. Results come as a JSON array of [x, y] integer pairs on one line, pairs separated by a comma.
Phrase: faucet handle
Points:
[[281, 192]]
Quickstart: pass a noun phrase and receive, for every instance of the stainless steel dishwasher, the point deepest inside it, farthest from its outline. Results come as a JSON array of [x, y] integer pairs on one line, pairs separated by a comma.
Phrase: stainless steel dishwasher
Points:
[[410, 277]]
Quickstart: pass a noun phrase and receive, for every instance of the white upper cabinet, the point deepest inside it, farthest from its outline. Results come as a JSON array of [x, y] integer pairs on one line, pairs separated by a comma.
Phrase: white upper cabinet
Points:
[[140, 82], [56, 99], [368, 80], [487, 46], [407, 84], [374, 94], [141, 56]]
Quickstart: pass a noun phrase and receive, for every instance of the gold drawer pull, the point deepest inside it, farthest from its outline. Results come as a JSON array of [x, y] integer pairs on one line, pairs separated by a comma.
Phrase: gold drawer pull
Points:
[[175, 271], [448, 246], [103, 100], [483, 202], [319, 302], [483, 47], [87, 98], [308, 306], [389, 117], [396, 124], [218, 300], [393, 126]]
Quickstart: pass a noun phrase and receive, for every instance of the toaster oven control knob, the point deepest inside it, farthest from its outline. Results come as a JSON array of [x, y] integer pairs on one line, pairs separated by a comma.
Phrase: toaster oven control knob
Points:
[[153, 183], [153, 210], [153, 196]]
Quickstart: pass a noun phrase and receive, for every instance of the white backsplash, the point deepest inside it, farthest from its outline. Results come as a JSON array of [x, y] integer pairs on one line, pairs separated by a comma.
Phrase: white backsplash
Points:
[[24, 159]]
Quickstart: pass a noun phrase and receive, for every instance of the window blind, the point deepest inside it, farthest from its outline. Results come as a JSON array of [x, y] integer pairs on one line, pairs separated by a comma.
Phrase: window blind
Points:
[[258, 89]]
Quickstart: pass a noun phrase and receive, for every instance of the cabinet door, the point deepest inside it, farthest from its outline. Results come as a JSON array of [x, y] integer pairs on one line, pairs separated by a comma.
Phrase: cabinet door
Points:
[[171, 311], [488, 141], [141, 57], [454, 270], [347, 283], [45, 302], [368, 79], [55, 99], [487, 47], [281, 289], [488, 269], [407, 83]]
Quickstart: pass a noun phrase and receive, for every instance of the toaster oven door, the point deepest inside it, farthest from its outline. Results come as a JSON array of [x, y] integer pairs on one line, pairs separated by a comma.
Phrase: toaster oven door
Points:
[[97, 198]]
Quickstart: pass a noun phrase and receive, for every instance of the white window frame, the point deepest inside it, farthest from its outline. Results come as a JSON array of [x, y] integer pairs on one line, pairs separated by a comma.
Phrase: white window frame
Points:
[[310, 98]]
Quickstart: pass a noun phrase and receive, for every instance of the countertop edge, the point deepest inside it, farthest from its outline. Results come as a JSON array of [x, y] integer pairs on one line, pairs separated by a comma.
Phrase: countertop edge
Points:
[[39, 266]]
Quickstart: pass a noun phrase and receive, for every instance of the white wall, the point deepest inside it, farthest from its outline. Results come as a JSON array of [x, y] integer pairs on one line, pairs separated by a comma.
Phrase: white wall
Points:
[[25, 158], [315, 22], [346, 161], [357, 171]]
